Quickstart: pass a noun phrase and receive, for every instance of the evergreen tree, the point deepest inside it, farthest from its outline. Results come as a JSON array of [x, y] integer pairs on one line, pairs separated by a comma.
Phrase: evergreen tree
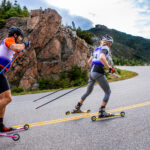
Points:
[[18, 9], [7, 10], [16, 3], [25, 11], [8, 5], [73, 25], [3, 3]]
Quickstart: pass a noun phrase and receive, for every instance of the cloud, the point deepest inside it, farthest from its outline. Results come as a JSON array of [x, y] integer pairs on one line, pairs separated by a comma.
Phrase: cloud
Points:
[[79, 21], [130, 16], [143, 18], [67, 18], [117, 14]]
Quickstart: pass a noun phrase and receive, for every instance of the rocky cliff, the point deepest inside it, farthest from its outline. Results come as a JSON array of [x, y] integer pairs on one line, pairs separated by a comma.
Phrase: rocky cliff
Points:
[[54, 48]]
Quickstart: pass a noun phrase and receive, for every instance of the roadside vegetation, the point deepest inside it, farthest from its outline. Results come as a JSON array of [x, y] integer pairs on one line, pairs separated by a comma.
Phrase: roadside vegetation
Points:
[[128, 62], [73, 76]]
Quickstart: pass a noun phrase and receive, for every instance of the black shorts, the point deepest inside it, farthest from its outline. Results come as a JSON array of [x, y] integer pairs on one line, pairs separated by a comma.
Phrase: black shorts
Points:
[[4, 84], [98, 69]]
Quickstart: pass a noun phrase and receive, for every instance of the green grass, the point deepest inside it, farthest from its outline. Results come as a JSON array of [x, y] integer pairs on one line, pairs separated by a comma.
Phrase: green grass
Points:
[[124, 74]]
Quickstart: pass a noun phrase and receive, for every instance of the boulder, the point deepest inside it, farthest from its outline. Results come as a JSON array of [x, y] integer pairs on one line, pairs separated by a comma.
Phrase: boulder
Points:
[[54, 48]]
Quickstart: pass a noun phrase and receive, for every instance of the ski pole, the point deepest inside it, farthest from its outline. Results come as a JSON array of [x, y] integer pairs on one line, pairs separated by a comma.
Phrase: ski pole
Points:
[[10, 62], [60, 96], [58, 90], [64, 94]]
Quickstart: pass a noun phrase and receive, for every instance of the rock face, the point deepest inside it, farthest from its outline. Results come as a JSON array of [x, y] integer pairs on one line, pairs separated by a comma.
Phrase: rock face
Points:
[[54, 48], [98, 26]]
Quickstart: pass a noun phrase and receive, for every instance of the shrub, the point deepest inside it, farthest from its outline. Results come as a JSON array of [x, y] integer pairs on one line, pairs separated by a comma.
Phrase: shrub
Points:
[[123, 61], [87, 36], [2, 22], [15, 89], [66, 78]]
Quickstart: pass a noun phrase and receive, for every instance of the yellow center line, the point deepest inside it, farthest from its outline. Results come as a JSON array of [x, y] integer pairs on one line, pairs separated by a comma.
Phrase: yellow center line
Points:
[[84, 116]]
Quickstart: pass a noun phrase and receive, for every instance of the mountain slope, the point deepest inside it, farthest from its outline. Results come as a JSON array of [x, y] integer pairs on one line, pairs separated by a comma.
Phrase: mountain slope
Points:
[[125, 45]]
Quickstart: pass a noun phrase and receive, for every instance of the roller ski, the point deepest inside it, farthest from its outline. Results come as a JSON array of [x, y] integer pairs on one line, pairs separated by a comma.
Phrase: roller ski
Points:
[[77, 110], [103, 115], [107, 115], [9, 132]]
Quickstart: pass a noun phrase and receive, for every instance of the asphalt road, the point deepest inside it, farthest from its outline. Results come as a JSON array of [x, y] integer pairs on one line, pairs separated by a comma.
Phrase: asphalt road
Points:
[[51, 129]]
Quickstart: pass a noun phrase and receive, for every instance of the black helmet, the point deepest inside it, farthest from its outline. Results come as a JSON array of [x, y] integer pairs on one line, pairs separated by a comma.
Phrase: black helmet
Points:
[[13, 30]]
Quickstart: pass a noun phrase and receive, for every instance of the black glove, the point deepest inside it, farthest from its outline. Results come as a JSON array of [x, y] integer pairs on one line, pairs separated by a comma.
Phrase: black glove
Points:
[[111, 70]]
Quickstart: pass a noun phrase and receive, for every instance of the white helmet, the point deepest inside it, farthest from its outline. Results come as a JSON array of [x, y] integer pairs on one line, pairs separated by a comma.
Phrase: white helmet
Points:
[[107, 38]]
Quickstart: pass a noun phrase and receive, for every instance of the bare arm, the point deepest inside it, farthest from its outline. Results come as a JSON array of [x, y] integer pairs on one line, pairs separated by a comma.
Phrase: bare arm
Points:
[[104, 61], [17, 47]]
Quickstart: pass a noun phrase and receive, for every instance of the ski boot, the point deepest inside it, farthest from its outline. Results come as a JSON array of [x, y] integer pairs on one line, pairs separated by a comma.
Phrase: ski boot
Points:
[[5, 129], [77, 108], [103, 113]]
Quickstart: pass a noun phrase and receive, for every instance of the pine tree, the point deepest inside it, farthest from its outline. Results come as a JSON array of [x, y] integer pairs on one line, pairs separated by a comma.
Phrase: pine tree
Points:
[[16, 3], [73, 25], [18, 9], [8, 5], [3, 3], [25, 12]]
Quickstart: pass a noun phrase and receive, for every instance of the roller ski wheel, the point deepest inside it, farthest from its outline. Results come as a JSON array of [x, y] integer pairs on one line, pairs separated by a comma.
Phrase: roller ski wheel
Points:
[[26, 127], [93, 118], [88, 111], [77, 112], [16, 137], [68, 112], [122, 114]]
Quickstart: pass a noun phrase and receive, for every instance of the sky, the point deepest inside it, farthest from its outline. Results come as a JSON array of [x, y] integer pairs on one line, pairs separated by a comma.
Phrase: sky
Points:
[[129, 16]]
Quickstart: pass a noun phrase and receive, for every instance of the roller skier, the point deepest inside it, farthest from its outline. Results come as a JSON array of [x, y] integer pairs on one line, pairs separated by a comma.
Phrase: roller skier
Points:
[[97, 62], [9, 47]]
